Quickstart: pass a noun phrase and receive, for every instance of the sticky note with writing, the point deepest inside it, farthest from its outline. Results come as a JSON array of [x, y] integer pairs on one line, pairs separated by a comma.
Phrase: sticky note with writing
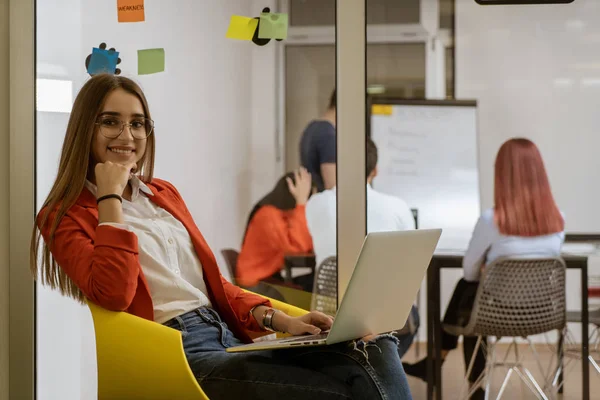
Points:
[[131, 10], [241, 28], [103, 61], [151, 61], [273, 26]]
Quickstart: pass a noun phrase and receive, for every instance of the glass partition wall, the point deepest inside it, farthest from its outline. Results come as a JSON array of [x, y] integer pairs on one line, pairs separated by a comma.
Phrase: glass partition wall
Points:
[[229, 115], [212, 100], [218, 110]]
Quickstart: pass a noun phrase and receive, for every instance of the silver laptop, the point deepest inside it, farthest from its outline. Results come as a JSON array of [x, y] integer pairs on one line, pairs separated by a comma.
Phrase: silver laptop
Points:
[[381, 291]]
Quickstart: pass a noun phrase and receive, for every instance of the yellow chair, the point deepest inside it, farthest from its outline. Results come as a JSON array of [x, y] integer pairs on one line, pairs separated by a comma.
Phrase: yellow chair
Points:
[[141, 359]]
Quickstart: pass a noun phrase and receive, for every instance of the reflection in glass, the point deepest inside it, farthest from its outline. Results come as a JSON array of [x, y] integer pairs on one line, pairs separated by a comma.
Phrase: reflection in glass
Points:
[[322, 12], [392, 70]]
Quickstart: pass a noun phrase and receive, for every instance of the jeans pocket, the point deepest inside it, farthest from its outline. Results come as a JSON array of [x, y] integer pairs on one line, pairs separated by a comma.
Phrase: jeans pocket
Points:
[[225, 336], [223, 331]]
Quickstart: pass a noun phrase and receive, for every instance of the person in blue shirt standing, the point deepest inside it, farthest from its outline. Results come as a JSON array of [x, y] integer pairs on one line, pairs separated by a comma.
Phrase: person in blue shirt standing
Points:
[[318, 148]]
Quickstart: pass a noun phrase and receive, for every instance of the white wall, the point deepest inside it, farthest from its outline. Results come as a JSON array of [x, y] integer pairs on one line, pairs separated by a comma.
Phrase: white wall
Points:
[[535, 71], [267, 152], [201, 104], [214, 113]]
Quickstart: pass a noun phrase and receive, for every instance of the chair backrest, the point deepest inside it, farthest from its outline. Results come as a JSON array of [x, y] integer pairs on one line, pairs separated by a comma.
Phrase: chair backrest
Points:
[[324, 296], [140, 359], [144, 360], [231, 257], [519, 298]]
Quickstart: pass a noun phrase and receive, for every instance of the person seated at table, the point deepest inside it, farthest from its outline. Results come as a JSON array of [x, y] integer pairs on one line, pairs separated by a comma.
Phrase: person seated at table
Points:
[[276, 227], [118, 237], [384, 213], [524, 222]]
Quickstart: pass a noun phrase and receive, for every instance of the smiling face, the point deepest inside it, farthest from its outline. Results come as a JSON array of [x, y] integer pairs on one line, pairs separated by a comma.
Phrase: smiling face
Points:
[[120, 105]]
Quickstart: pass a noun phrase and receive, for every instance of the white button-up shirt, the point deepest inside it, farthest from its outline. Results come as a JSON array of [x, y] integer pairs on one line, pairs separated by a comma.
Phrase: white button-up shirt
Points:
[[166, 253], [488, 244], [384, 213]]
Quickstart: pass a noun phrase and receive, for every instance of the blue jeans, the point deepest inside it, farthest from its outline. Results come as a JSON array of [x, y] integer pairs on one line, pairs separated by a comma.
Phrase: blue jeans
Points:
[[352, 370]]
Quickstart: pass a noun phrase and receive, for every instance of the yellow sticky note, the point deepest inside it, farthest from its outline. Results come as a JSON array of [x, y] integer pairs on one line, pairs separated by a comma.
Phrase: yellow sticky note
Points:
[[381, 109], [241, 28]]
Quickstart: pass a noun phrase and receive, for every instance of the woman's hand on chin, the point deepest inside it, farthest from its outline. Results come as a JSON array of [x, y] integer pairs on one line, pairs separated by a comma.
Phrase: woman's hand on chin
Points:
[[112, 178]]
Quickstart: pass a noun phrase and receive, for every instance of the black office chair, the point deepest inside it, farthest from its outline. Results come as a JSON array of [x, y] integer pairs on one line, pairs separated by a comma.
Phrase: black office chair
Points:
[[265, 289], [231, 257]]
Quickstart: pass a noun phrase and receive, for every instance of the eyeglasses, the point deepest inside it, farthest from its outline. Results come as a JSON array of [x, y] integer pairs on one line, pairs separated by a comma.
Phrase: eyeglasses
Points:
[[111, 127]]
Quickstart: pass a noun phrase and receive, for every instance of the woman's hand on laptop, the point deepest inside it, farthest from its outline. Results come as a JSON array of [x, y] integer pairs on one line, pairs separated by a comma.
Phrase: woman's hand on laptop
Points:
[[312, 323]]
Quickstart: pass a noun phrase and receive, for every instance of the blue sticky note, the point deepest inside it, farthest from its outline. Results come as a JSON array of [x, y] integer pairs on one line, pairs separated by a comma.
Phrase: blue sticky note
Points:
[[103, 61], [273, 26]]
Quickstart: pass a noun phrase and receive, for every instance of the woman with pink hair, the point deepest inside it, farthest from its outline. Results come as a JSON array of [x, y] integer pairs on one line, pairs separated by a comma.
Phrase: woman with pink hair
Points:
[[524, 222]]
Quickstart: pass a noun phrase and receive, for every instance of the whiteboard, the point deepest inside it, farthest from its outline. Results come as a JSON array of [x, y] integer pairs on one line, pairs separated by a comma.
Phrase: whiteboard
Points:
[[427, 156]]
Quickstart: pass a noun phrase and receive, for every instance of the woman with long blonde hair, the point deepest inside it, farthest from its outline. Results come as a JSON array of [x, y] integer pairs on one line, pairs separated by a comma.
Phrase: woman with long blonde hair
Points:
[[116, 236], [525, 222]]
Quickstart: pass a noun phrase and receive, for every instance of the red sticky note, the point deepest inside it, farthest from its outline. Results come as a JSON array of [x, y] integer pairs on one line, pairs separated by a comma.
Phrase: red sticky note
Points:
[[131, 10]]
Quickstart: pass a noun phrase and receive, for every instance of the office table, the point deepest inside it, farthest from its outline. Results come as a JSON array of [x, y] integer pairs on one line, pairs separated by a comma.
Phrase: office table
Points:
[[298, 264], [434, 323]]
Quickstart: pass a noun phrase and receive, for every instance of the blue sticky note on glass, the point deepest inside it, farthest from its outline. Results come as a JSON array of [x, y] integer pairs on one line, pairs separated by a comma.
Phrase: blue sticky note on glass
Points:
[[273, 26], [103, 61]]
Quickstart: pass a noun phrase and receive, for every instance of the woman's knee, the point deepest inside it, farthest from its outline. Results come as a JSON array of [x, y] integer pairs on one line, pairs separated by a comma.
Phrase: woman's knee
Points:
[[379, 353]]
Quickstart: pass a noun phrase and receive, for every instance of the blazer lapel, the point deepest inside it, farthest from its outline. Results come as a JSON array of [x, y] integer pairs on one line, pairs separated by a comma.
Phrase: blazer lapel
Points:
[[212, 277]]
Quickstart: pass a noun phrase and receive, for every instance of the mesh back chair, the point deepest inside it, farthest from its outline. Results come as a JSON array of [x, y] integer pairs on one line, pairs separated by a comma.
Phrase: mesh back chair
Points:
[[516, 298], [324, 296]]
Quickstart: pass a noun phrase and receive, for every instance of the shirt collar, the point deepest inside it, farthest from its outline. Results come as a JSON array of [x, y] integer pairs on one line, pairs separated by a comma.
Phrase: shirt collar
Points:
[[334, 189], [137, 186]]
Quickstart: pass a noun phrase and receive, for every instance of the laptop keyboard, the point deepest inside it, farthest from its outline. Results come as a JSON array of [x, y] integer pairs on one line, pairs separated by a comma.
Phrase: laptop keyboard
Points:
[[306, 338]]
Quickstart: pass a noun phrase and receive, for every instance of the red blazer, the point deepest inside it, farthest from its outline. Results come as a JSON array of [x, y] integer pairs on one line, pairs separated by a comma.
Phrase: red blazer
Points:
[[271, 235], [103, 262]]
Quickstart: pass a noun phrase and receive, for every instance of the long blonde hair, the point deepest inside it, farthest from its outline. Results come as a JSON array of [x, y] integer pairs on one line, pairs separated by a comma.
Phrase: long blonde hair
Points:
[[71, 177]]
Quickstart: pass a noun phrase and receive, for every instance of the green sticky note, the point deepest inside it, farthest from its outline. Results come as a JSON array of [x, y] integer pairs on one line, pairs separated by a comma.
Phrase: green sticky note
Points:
[[241, 28], [151, 61], [273, 26]]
